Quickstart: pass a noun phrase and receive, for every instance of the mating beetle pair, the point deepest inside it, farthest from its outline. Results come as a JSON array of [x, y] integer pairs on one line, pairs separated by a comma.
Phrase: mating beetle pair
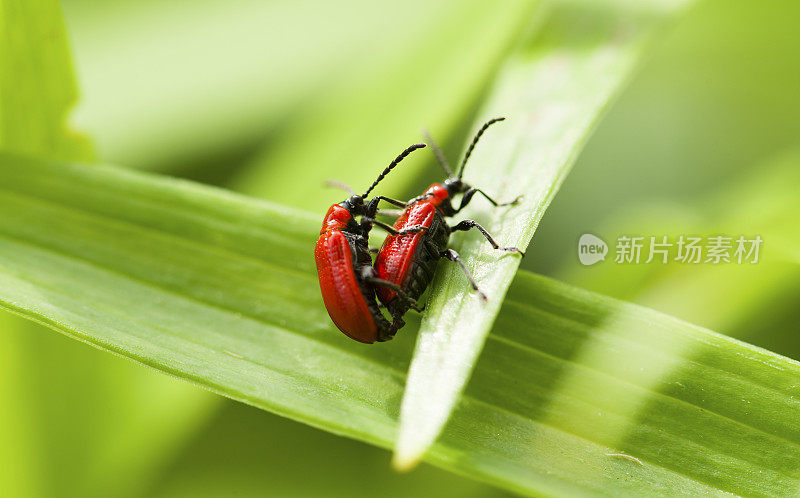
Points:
[[405, 264]]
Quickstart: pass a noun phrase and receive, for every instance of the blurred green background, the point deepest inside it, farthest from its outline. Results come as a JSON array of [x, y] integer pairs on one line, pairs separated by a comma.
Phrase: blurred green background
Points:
[[271, 98]]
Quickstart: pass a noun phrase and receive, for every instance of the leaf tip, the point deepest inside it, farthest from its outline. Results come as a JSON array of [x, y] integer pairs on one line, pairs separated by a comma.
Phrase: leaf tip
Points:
[[419, 428], [405, 457]]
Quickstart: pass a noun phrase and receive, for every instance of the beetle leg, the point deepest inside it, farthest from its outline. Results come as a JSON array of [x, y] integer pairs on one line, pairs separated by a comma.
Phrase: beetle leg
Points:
[[372, 209], [412, 229], [472, 191], [388, 334], [453, 256], [465, 225], [391, 201], [419, 198], [391, 230], [380, 224], [412, 303]]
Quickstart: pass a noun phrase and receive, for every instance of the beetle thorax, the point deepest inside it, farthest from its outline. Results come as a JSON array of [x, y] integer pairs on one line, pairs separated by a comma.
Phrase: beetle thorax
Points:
[[437, 194], [338, 217]]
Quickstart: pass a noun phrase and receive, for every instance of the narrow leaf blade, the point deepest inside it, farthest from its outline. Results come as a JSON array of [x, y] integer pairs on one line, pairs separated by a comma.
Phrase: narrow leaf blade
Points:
[[37, 87], [553, 92]]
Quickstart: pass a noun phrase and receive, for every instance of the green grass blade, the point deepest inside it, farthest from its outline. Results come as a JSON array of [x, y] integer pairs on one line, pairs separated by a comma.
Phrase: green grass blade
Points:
[[574, 394], [553, 92], [34, 63], [37, 88], [73, 420]]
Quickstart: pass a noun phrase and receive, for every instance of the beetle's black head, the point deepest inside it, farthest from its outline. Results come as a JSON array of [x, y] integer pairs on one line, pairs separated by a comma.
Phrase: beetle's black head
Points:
[[455, 186], [355, 204]]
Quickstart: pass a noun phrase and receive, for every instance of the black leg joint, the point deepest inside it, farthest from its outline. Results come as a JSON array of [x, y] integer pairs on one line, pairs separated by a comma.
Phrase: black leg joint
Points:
[[465, 225]]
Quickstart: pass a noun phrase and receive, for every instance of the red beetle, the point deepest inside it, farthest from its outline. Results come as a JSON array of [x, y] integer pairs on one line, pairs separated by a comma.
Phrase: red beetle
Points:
[[344, 266], [420, 235]]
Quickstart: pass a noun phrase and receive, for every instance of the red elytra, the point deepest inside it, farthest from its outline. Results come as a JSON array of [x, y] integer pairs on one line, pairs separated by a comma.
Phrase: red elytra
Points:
[[342, 290]]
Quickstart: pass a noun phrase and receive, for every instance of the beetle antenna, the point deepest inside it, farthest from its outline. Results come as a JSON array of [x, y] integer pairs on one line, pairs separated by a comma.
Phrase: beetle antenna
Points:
[[474, 141], [343, 186], [392, 165], [438, 153]]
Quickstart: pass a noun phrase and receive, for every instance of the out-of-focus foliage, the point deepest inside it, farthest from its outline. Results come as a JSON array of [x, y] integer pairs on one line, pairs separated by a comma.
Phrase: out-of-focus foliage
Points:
[[290, 459], [169, 85], [79, 422], [433, 81], [716, 99], [37, 89]]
